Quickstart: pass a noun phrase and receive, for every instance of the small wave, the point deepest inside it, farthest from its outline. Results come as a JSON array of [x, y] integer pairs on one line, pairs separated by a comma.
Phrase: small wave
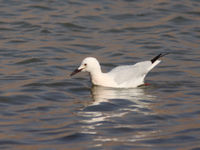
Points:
[[41, 7], [25, 24], [72, 26], [88, 46], [74, 137], [92, 18], [123, 16], [6, 29], [29, 61], [196, 13], [104, 106], [180, 20]]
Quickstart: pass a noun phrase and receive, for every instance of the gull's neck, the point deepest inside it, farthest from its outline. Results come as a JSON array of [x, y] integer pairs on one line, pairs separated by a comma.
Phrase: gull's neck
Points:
[[96, 76]]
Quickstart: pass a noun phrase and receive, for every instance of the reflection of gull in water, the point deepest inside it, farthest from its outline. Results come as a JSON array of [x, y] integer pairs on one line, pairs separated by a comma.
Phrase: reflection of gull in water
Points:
[[103, 94], [111, 105], [134, 99]]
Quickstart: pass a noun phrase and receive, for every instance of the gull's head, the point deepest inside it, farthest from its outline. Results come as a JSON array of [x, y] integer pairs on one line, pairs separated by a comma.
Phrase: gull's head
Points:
[[89, 64]]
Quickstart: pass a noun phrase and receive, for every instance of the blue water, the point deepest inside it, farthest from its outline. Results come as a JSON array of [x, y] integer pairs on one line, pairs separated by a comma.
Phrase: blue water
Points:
[[42, 107]]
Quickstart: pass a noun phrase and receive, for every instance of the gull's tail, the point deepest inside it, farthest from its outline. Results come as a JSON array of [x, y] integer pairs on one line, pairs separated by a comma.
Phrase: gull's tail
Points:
[[158, 56]]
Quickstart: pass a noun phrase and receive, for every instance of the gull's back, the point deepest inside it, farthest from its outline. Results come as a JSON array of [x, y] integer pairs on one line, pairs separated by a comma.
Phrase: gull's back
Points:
[[132, 75]]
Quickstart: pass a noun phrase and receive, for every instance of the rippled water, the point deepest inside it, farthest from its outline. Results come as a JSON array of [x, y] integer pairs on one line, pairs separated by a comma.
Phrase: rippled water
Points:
[[42, 42]]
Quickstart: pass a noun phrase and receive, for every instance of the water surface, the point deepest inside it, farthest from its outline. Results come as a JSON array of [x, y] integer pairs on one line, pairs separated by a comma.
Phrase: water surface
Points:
[[42, 42]]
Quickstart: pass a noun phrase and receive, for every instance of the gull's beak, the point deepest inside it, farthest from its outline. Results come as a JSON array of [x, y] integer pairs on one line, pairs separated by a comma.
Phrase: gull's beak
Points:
[[75, 71]]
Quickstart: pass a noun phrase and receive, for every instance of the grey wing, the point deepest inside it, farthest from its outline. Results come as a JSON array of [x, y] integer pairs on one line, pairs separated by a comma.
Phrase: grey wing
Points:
[[131, 72]]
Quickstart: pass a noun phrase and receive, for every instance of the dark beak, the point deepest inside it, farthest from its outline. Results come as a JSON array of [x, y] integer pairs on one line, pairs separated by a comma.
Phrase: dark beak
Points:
[[75, 72]]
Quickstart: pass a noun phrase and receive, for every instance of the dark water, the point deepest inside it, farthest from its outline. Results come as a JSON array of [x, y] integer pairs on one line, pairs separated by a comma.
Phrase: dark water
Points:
[[42, 42]]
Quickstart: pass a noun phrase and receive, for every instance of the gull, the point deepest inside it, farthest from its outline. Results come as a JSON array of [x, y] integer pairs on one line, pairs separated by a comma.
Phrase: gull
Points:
[[125, 76]]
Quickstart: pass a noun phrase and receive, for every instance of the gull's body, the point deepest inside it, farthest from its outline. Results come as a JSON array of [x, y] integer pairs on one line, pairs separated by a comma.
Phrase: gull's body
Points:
[[127, 76]]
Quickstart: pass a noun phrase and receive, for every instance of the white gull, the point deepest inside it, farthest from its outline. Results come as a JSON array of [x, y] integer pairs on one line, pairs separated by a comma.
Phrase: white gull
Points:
[[126, 76]]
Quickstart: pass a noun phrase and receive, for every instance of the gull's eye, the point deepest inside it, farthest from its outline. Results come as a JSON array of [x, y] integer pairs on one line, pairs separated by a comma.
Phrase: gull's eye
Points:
[[85, 65]]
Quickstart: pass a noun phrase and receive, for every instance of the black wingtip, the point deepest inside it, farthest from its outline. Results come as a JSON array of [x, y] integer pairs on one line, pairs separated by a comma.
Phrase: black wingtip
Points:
[[158, 56]]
